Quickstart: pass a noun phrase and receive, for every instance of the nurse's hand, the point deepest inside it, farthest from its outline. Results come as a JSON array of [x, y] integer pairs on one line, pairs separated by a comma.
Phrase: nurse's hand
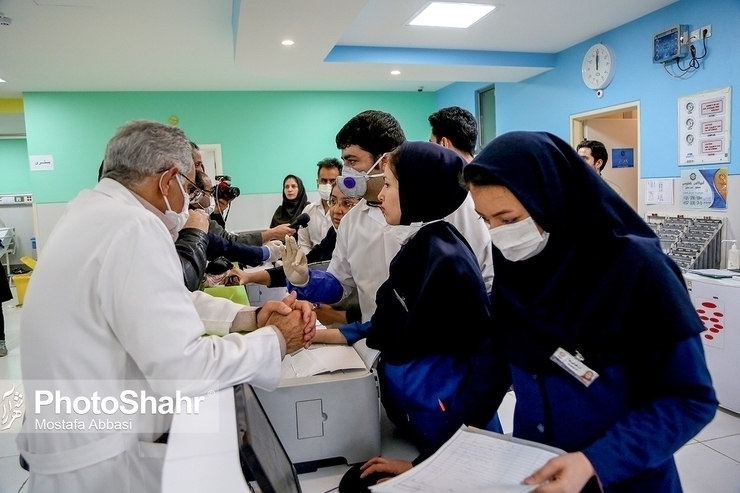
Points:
[[295, 264], [385, 466], [567, 473], [307, 314]]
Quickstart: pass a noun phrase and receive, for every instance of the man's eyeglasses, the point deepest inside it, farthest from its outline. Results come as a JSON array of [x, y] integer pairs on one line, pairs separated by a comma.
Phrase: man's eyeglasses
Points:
[[346, 204], [195, 192]]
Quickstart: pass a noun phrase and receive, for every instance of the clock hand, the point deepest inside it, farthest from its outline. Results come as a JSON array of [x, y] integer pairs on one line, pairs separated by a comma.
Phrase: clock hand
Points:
[[597, 60]]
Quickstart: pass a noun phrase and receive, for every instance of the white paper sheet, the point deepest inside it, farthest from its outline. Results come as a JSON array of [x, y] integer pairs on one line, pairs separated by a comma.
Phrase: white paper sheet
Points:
[[325, 358], [473, 462]]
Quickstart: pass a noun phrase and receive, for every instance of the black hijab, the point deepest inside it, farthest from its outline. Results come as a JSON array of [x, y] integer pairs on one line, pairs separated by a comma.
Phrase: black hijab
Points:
[[601, 284], [290, 209], [428, 182]]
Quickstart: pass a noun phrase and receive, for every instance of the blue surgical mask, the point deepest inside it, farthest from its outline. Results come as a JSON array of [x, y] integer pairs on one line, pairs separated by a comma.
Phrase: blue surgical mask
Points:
[[353, 183]]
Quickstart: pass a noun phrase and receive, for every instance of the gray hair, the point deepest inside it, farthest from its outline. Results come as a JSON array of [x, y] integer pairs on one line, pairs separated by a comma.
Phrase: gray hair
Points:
[[143, 148]]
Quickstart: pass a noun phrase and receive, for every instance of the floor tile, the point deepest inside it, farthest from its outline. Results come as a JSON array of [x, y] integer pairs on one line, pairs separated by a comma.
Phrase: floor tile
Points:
[[729, 446], [724, 424], [703, 470], [12, 476]]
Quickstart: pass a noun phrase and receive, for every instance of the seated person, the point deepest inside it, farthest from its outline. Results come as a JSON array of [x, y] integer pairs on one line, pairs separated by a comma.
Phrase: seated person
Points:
[[431, 382], [339, 205], [294, 201]]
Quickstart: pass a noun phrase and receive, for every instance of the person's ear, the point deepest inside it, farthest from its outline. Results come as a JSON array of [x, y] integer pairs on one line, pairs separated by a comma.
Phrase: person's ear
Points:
[[166, 179], [600, 165], [445, 142]]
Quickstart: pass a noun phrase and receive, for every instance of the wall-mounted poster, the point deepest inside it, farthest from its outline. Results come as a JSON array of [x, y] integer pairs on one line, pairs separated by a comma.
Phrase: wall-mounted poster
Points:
[[704, 127], [704, 188], [623, 157]]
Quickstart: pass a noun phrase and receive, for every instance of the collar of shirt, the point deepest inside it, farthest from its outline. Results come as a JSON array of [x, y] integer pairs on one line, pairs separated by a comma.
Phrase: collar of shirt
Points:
[[168, 223]]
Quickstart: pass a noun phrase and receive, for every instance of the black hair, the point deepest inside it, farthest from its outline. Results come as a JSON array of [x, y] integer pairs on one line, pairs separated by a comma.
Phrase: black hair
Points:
[[194, 145], [328, 163], [100, 170], [598, 151], [458, 125], [374, 131]]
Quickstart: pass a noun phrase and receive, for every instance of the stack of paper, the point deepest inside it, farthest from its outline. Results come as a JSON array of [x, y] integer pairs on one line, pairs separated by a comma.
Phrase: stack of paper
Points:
[[321, 359], [474, 461]]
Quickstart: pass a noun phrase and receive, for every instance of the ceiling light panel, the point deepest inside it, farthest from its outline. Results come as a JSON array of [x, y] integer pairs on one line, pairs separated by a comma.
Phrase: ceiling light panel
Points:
[[448, 14]]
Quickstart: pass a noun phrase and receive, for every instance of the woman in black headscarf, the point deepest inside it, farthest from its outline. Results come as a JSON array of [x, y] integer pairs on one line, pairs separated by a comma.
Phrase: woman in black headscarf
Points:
[[294, 201], [436, 362], [597, 324]]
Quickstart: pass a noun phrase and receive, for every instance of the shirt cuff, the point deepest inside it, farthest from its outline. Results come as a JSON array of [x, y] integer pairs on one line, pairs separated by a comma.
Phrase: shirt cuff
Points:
[[283, 346], [265, 253]]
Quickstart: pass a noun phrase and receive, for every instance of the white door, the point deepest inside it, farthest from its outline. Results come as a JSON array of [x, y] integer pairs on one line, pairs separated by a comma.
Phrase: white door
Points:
[[211, 154], [617, 134]]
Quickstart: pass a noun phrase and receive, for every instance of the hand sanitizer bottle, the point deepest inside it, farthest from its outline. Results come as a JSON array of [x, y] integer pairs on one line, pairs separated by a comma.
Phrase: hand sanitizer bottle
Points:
[[733, 256]]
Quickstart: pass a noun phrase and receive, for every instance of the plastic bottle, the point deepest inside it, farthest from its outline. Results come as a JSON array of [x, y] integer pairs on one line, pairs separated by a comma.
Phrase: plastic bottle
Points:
[[733, 256]]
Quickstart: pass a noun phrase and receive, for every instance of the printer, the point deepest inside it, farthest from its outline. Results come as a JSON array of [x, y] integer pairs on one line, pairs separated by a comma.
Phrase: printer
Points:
[[327, 418]]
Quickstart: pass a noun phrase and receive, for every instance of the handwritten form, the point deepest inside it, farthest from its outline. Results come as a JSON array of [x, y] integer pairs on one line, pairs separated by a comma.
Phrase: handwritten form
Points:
[[472, 462]]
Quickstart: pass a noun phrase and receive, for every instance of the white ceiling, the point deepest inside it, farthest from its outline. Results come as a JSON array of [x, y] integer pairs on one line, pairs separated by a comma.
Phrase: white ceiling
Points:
[[202, 45]]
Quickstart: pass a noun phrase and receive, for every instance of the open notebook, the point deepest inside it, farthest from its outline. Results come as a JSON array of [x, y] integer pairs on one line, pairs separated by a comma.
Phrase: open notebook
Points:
[[474, 461]]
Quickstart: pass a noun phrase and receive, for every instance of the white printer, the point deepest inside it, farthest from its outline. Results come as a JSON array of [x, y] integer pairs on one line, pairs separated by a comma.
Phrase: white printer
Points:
[[326, 416]]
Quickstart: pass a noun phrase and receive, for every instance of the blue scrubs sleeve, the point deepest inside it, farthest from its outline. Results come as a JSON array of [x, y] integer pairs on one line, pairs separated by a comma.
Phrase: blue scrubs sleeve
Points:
[[322, 287], [355, 331], [683, 403]]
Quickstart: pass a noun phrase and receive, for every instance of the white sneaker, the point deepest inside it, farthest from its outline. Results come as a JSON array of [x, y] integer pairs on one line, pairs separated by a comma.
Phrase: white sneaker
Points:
[[3, 349]]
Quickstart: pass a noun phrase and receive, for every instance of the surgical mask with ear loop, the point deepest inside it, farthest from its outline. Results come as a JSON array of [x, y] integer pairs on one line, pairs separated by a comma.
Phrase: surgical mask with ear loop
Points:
[[211, 206], [353, 184], [178, 218], [520, 240], [325, 191]]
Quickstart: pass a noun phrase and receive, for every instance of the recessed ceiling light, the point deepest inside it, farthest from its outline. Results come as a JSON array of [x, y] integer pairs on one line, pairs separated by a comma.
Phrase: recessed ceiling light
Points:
[[447, 14], [287, 42], [395, 72], [2, 80]]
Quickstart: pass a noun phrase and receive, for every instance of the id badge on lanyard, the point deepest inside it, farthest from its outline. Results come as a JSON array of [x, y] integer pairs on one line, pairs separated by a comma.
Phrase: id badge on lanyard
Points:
[[575, 366]]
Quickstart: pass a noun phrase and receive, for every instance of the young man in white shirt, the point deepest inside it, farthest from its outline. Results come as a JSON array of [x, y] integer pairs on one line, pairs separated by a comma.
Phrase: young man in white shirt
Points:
[[320, 222]]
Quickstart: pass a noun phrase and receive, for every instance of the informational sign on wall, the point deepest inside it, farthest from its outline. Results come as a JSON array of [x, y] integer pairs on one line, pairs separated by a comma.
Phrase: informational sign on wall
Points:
[[704, 127], [704, 189], [623, 157], [41, 163], [659, 191]]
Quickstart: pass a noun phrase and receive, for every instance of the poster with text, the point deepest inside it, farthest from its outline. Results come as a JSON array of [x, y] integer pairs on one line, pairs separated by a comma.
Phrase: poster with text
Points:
[[704, 189], [704, 127]]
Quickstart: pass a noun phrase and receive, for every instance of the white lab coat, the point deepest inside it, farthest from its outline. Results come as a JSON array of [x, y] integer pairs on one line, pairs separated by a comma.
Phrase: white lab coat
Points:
[[317, 227], [106, 311], [366, 244]]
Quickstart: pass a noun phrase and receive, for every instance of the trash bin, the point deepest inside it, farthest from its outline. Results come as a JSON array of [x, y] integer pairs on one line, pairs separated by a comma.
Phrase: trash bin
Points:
[[21, 283]]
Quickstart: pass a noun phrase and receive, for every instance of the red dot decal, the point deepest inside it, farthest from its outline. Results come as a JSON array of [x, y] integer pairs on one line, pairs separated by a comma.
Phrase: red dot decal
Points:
[[700, 311], [712, 319], [708, 336], [704, 317], [708, 304], [719, 326], [718, 314], [714, 330]]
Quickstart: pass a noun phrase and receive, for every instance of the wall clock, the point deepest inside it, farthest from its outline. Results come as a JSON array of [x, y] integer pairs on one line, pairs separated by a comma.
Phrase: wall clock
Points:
[[599, 66]]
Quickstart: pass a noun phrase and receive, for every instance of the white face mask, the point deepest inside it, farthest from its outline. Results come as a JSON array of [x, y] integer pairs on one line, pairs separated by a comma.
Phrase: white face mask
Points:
[[519, 241], [178, 218], [325, 191], [353, 183], [211, 206]]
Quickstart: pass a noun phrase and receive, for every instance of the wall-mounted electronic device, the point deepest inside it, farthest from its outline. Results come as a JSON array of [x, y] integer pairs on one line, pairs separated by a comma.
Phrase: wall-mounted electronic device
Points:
[[671, 44]]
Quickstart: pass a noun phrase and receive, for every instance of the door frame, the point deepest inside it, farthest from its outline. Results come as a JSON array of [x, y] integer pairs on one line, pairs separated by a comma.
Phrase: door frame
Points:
[[576, 135]]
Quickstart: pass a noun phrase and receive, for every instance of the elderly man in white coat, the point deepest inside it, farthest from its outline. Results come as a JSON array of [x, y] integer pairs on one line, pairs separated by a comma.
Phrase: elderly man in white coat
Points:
[[107, 312]]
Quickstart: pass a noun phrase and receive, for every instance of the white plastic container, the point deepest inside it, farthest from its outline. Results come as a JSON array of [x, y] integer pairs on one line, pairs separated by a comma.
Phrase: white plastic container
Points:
[[733, 256]]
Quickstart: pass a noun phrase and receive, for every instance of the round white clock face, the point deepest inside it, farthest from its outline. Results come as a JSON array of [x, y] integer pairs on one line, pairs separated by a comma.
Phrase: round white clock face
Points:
[[599, 65]]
